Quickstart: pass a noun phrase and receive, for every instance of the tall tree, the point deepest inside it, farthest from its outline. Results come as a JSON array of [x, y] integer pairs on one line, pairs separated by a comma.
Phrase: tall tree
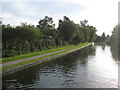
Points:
[[67, 29], [115, 40], [103, 35], [46, 22], [84, 22], [49, 33]]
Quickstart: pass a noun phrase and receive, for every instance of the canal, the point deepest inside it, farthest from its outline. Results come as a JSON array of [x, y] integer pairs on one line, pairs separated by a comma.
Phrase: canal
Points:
[[90, 67]]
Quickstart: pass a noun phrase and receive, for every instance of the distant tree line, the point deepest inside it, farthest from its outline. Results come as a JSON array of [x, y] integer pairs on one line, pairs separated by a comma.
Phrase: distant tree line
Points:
[[103, 39], [22, 39]]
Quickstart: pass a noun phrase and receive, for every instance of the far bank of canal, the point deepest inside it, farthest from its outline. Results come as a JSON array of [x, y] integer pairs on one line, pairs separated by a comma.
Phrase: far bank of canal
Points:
[[13, 66]]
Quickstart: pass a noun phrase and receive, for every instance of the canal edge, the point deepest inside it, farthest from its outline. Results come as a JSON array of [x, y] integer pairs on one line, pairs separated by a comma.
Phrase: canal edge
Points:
[[25, 66]]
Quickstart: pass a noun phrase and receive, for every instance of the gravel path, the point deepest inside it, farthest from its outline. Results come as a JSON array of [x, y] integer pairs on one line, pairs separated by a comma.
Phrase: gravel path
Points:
[[26, 59]]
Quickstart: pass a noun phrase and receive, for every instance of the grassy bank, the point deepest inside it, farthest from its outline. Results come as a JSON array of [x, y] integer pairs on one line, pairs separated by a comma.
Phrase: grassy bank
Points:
[[19, 64], [4, 60]]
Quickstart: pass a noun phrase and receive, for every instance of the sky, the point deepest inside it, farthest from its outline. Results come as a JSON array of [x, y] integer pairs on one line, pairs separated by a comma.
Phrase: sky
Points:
[[102, 14]]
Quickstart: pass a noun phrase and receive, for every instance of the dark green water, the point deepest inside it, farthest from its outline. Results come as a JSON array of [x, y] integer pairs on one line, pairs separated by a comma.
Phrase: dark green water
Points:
[[91, 67]]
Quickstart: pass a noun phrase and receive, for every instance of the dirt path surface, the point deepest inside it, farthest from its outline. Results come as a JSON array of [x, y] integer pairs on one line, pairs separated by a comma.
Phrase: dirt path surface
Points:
[[34, 57]]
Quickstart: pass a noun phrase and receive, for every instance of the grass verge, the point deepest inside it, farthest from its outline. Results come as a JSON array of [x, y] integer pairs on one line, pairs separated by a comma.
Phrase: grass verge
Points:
[[4, 60], [33, 60]]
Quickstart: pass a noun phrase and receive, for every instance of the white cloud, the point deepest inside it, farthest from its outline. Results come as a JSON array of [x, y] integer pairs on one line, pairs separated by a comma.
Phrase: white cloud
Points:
[[24, 9], [103, 14], [9, 18]]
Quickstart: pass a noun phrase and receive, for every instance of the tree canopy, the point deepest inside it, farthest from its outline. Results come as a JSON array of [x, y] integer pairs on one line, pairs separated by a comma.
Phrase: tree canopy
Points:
[[26, 38]]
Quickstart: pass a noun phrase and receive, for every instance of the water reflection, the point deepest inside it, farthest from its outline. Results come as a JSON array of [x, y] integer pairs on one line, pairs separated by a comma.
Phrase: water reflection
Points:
[[90, 67], [104, 67]]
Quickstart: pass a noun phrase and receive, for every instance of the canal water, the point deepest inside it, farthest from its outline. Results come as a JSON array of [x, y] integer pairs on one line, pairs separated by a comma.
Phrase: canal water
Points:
[[91, 67]]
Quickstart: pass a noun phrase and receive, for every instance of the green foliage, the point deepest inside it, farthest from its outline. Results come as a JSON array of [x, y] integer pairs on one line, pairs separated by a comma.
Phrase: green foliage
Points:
[[76, 33], [19, 40], [67, 29], [25, 38], [68, 48], [103, 35], [46, 22], [89, 32], [84, 23], [103, 38], [115, 38], [115, 42], [49, 33], [18, 57]]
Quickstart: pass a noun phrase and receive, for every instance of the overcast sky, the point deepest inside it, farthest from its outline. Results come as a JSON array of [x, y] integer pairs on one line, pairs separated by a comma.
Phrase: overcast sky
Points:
[[102, 14]]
